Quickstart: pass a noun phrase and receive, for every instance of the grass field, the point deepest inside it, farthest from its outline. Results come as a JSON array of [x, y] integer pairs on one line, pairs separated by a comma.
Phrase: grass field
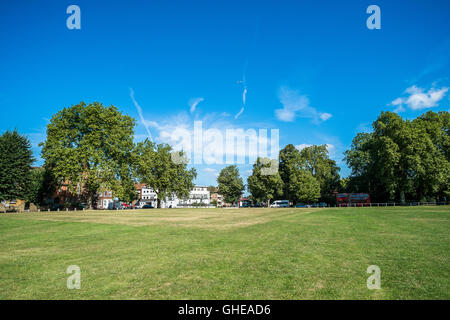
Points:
[[227, 253]]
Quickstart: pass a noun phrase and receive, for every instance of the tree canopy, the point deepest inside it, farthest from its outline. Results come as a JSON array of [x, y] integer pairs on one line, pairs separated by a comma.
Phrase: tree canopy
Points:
[[91, 147], [308, 174], [15, 165], [155, 168], [264, 187], [317, 161], [230, 183], [291, 163], [402, 159]]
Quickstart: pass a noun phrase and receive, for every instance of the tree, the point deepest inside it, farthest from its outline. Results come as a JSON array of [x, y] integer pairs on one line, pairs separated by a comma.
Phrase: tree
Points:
[[36, 186], [291, 164], [264, 187], [436, 178], [41, 185], [316, 160], [155, 167], [15, 165], [230, 183], [305, 187], [90, 147], [401, 159]]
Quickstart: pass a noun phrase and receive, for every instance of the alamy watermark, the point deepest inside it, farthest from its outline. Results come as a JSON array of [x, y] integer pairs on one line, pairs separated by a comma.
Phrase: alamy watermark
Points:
[[374, 20], [237, 146], [74, 20], [374, 281], [74, 280]]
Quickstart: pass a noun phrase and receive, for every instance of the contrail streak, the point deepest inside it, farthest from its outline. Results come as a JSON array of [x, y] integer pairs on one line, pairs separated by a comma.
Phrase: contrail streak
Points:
[[141, 116], [194, 102], [244, 92]]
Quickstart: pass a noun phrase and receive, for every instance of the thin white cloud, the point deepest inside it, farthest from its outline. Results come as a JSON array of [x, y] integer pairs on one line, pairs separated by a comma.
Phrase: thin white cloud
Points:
[[330, 147], [418, 98], [303, 146], [141, 116], [325, 116], [239, 113], [244, 99], [244, 91], [297, 105], [194, 102], [210, 170], [244, 94]]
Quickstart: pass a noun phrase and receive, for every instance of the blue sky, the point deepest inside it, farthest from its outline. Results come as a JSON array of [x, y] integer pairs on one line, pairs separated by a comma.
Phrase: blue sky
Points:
[[312, 69]]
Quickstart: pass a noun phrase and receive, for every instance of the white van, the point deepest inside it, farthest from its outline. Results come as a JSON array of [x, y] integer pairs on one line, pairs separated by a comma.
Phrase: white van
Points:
[[280, 204]]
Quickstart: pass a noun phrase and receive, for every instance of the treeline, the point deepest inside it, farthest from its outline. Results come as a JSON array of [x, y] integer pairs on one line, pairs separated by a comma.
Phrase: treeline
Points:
[[90, 148], [306, 175], [402, 160]]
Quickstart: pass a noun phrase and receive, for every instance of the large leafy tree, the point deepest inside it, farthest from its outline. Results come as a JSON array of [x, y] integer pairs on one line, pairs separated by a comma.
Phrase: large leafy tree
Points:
[[317, 161], [401, 159], [264, 187], [35, 192], [41, 185], [15, 165], [434, 179], [305, 187], [230, 183], [157, 167], [291, 163], [90, 147]]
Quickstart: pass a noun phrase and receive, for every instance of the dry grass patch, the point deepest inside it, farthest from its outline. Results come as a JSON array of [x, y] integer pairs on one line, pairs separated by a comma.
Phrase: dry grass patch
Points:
[[217, 219]]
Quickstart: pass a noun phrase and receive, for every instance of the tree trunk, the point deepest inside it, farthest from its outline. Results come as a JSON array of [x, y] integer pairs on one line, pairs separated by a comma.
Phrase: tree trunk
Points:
[[268, 203], [158, 203], [402, 197], [90, 201]]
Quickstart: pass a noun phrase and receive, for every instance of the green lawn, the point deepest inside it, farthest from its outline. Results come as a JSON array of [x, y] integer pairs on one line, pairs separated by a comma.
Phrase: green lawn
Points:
[[227, 253]]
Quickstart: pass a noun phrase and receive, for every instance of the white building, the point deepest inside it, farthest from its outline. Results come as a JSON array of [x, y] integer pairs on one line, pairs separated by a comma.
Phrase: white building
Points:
[[104, 199], [198, 195]]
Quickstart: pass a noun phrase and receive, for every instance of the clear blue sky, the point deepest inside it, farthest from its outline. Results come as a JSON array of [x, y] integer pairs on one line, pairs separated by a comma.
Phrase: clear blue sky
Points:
[[312, 69]]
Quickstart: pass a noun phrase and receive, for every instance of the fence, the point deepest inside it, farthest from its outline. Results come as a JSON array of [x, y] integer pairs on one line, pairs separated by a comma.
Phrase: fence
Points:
[[391, 204]]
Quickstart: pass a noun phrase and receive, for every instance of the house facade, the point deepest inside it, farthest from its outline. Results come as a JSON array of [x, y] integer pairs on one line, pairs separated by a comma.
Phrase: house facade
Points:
[[104, 198], [199, 195], [216, 196]]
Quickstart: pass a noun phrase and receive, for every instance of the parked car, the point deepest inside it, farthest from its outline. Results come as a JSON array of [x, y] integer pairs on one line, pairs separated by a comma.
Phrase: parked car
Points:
[[319, 205], [302, 205], [147, 206], [280, 204], [115, 206], [127, 205]]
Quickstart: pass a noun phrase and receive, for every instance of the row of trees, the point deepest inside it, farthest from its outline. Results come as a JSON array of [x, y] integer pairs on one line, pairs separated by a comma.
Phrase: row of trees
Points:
[[402, 159], [91, 149], [306, 175]]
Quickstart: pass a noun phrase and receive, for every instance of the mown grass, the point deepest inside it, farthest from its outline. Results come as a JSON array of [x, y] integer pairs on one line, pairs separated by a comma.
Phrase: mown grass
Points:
[[227, 253]]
